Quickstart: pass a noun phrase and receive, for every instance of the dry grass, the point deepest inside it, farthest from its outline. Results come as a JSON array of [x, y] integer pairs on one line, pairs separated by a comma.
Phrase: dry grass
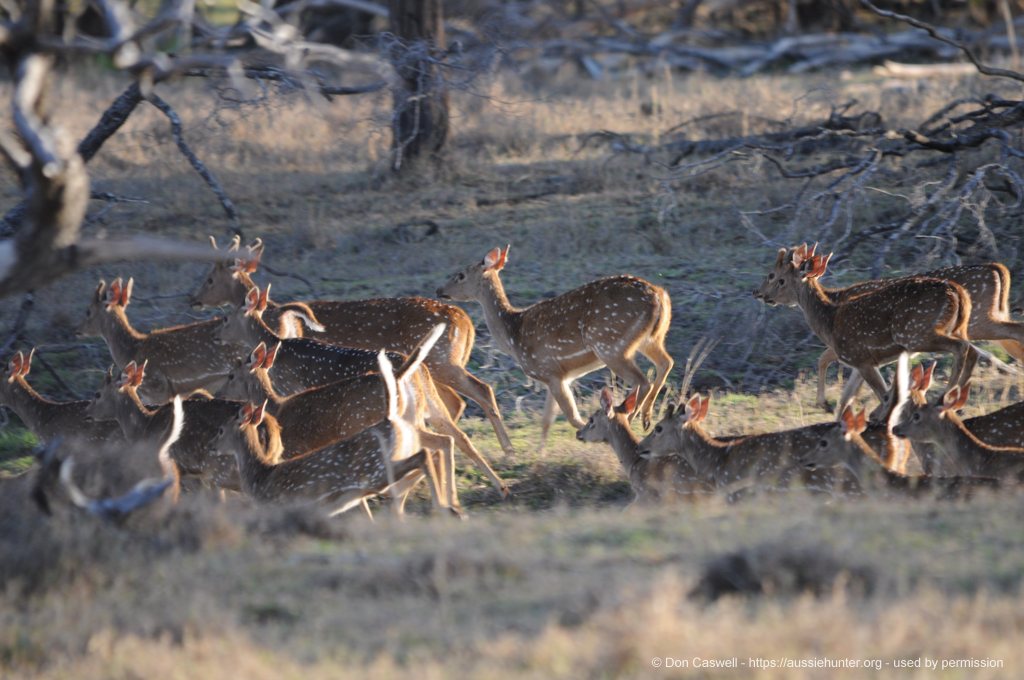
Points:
[[561, 582]]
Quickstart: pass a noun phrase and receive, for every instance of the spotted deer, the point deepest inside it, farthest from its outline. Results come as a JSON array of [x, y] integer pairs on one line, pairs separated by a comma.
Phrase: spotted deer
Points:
[[301, 363], [118, 399], [848, 444], [385, 458], [602, 323], [988, 286], [397, 324], [652, 480], [47, 419], [764, 459], [939, 425], [180, 359], [908, 315], [315, 417], [990, 449]]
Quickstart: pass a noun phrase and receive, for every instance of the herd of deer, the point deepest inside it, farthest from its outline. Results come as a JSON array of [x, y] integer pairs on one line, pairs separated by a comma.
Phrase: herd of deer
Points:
[[335, 402]]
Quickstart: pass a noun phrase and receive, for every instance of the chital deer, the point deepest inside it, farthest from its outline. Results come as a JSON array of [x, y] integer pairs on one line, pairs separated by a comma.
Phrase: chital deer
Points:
[[180, 359], [48, 419], [118, 399], [766, 459], [846, 445], [386, 457], [144, 492], [301, 363], [602, 323], [318, 416], [940, 426], [652, 480], [397, 324], [988, 286], [868, 330]]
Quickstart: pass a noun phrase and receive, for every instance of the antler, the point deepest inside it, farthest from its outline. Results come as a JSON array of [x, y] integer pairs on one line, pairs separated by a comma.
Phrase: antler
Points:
[[698, 355]]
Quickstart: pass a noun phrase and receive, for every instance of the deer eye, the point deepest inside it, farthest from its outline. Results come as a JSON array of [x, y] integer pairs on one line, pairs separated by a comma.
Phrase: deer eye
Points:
[[209, 280], [771, 276], [658, 429], [460, 276], [782, 282], [823, 444], [220, 432], [917, 417], [96, 396]]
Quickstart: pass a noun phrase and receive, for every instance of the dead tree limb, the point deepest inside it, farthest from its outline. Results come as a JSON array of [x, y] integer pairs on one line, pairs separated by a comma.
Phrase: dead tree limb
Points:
[[204, 172]]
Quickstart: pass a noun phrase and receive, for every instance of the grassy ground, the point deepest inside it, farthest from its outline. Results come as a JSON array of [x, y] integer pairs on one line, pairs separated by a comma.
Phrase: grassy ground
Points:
[[562, 581]]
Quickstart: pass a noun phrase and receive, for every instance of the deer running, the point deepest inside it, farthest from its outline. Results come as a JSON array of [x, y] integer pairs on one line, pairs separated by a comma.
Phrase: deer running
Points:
[[988, 286], [397, 324], [908, 315], [602, 323]]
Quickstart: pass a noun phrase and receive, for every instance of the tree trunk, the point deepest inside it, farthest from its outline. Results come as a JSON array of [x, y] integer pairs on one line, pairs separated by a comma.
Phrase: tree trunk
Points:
[[420, 120]]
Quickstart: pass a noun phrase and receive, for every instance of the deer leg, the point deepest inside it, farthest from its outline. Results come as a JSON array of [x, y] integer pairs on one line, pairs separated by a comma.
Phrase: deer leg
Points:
[[349, 500], [465, 383], [550, 410], [824, 361], [401, 489], [663, 364], [452, 433], [445, 476], [452, 401], [873, 377]]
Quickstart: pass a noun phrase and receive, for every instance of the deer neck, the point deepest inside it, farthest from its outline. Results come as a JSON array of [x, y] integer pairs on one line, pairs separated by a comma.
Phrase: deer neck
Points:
[[818, 308], [706, 453], [263, 388], [32, 408], [241, 284], [252, 458], [623, 442], [259, 331], [122, 340], [132, 415], [501, 317]]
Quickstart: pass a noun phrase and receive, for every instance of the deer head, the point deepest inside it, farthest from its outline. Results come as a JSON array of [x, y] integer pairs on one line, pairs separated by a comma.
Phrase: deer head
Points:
[[599, 425], [468, 283]]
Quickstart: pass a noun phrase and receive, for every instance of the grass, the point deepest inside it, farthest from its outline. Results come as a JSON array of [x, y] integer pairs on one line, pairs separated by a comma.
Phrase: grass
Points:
[[564, 580]]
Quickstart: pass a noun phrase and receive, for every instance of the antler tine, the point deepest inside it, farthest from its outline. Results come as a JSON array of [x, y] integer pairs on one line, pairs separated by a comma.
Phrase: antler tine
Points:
[[698, 355]]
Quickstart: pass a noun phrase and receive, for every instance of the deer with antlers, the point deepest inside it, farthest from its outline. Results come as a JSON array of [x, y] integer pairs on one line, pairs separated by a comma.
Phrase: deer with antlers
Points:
[[915, 314], [385, 458], [766, 459], [652, 480], [988, 286], [315, 417], [49, 419], [602, 323], [947, 436], [118, 399], [396, 324], [179, 359]]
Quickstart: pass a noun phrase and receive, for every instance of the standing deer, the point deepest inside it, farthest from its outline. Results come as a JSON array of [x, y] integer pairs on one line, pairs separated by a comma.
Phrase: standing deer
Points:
[[180, 359], [913, 315], [318, 416], [602, 323], [652, 480], [118, 399], [397, 324], [386, 457], [767, 459], [50, 420], [988, 286], [939, 425]]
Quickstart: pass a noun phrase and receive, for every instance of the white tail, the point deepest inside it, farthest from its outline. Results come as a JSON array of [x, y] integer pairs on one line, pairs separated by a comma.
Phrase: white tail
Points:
[[603, 323]]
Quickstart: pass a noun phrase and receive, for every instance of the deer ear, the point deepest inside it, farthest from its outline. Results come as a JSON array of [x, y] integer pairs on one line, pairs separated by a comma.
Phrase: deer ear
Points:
[[14, 366], [814, 248], [781, 257], [244, 416], [268, 361], [693, 407], [114, 293], [956, 398], [126, 293], [258, 413], [629, 403], [915, 377], [926, 376], [140, 373], [26, 363], [704, 405], [493, 260], [846, 419], [256, 357], [252, 299], [606, 401], [264, 295], [799, 255], [249, 266]]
